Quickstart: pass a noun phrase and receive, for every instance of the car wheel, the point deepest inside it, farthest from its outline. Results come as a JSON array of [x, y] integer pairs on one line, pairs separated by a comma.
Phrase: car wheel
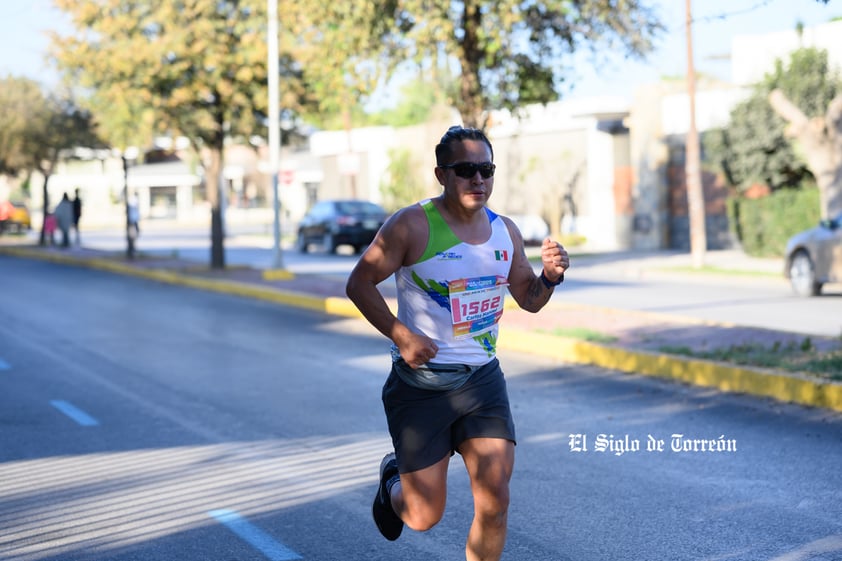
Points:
[[802, 275], [301, 243], [329, 243]]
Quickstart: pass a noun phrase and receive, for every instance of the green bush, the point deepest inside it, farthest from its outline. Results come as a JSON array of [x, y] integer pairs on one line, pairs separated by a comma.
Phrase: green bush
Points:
[[764, 225], [401, 185], [753, 148]]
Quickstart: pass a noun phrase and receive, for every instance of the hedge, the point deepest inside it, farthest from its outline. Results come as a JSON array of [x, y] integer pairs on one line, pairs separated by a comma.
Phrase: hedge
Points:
[[764, 225]]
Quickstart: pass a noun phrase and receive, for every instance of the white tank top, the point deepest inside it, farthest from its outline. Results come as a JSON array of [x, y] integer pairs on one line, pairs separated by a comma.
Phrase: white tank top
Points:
[[454, 293]]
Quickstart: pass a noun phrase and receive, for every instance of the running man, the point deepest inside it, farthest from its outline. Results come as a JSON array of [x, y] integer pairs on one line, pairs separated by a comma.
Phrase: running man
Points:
[[453, 260]]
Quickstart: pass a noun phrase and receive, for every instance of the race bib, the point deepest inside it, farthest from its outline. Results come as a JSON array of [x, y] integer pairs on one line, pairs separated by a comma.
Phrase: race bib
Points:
[[476, 304]]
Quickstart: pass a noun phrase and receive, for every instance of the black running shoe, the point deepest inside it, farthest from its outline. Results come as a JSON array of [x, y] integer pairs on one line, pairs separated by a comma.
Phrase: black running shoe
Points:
[[389, 523]]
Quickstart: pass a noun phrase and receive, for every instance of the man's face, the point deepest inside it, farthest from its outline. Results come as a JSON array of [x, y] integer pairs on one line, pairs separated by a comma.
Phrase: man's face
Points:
[[470, 192]]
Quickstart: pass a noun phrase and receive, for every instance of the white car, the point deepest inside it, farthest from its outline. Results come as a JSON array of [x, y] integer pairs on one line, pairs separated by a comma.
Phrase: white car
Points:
[[814, 257], [532, 227]]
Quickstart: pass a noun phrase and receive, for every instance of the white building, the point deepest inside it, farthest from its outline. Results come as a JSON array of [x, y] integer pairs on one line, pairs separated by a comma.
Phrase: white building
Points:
[[752, 56]]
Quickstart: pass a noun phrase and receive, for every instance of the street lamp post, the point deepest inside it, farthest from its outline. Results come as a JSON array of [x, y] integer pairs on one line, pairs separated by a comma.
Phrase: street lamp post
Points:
[[274, 128]]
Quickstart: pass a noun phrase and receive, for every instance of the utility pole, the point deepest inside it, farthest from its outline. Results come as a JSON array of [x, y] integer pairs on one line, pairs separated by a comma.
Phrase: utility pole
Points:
[[692, 163]]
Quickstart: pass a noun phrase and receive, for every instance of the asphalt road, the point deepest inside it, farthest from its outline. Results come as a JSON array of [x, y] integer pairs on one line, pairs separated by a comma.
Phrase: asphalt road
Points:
[[643, 281], [141, 421], [653, 285]]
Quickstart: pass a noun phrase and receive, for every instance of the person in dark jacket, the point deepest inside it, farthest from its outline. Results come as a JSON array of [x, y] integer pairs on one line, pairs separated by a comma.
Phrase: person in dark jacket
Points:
[[77, 215]]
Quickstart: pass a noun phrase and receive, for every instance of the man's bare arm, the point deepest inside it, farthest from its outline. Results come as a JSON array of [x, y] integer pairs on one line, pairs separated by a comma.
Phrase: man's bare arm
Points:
[[530, 291], [383, 258]]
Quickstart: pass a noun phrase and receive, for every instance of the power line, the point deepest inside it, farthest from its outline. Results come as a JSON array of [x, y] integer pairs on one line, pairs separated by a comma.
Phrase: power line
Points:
[[726, 15]]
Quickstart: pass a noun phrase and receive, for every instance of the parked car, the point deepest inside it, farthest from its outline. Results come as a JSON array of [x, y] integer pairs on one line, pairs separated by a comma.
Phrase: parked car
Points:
[[14, 217], [814, 257], [532, 227], [334, 223]]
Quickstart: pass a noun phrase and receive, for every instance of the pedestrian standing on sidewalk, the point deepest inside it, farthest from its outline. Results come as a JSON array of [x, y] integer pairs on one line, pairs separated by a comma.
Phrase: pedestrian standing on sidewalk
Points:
[[50, 229], [64, 219], [77, 216], [133, 216], [453, 259]]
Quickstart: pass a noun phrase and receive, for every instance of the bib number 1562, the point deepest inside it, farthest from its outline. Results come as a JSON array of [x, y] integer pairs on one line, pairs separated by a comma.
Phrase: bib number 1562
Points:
[[471, 306]]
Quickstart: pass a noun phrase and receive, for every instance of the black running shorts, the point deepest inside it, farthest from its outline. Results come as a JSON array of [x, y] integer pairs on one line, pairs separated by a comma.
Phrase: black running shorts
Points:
[[428, 425]]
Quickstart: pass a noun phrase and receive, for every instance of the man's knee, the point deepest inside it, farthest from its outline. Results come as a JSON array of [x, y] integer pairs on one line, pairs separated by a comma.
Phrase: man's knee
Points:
[[421, 496], [421, 514], [422, 520], [492, 499]]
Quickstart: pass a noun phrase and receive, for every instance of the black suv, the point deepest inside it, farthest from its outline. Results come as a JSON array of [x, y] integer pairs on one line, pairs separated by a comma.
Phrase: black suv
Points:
[[334, 223]]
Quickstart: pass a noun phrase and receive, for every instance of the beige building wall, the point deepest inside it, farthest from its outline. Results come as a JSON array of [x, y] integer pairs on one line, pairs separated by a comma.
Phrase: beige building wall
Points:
[[558, 162]]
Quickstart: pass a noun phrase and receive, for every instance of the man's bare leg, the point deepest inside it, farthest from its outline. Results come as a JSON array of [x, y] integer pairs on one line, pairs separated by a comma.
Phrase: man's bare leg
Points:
[[490, 462], [420, 496]]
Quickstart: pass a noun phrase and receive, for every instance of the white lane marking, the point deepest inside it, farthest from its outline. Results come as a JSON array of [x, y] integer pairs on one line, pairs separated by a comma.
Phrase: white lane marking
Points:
[[74, 413], [253, 535]]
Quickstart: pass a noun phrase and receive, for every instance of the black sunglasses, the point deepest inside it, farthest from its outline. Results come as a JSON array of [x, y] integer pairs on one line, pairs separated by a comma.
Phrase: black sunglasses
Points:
[[466, 170]]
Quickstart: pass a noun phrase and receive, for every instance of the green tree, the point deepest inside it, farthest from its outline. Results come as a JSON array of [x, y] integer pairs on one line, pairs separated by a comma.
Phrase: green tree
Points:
[[55, 127], [509, 53], [753, 148], [338, 44], [401, 186], [199, 66], [419, 99], [512, 53], [18, 98]]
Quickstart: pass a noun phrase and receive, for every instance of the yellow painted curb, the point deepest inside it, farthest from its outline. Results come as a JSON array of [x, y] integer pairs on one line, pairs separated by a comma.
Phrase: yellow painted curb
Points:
[[790, 388], [341, 307], [278, 274]]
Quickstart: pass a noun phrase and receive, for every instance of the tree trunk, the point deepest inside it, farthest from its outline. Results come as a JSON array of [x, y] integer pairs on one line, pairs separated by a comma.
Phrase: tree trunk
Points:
[[213, 184], [821, 140], [42, 239], [471, 107], [131, 230]]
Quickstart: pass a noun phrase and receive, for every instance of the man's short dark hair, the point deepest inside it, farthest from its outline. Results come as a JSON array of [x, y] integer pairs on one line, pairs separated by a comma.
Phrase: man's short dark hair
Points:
[[444, 150]]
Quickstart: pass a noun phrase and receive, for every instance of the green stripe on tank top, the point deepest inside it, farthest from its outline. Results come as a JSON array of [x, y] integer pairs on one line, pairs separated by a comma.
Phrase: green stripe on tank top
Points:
[[441, 237]]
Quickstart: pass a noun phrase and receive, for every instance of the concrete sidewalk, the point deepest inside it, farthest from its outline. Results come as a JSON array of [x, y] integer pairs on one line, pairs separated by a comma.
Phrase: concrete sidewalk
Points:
[[635, 337]]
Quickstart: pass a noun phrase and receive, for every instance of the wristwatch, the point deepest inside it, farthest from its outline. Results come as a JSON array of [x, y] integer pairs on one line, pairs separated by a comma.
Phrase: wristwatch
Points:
[[550, 284]]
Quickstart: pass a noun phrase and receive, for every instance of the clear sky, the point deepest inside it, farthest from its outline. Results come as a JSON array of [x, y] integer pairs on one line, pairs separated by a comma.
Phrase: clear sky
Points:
[[716, 22], [23, 41]]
